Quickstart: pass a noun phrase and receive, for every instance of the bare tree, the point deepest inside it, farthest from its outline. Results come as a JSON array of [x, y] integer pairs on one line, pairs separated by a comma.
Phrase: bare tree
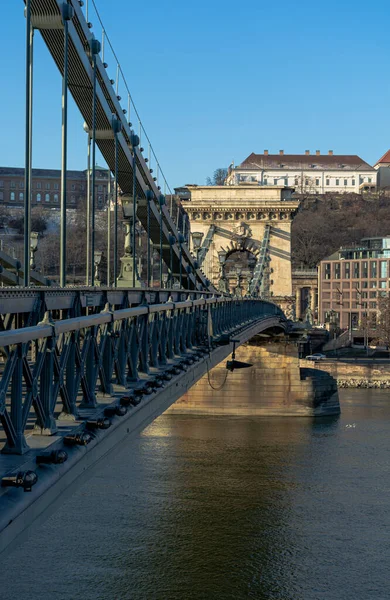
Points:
[[218, 178], [383, 321]]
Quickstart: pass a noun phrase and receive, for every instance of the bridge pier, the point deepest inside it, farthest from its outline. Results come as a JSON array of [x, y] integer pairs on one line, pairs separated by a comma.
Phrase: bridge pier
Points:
[[275, 385]]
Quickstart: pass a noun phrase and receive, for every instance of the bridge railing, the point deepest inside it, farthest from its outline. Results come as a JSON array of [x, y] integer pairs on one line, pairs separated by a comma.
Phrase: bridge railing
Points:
[[56, 368]]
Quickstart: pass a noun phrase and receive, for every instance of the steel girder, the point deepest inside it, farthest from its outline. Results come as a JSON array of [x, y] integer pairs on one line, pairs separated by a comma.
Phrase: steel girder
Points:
[[65, 362]]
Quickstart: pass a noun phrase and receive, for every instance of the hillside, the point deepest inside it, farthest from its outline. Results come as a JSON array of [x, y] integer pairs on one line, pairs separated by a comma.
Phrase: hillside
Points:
[[324, 223]]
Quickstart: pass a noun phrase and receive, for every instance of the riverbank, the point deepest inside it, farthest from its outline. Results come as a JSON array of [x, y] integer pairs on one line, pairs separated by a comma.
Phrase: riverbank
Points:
[[363, 373]]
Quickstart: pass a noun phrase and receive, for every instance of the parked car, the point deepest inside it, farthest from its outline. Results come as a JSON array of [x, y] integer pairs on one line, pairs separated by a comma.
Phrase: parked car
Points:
[[316, 356]]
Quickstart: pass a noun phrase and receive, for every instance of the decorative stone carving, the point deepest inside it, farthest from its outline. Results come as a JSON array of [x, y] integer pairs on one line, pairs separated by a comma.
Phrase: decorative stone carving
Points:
[[242, 230]]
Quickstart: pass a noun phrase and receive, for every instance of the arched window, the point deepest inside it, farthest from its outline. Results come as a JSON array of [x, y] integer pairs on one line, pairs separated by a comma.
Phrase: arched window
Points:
[[47, 197], [21, 196], [12, 196], [55, 198], [73, 199], [39, 197]]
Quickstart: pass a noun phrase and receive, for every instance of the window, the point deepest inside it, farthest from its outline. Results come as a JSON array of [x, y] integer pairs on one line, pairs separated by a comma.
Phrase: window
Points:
[[353, 182], [337, 270], [372, 295], [100, 199], [364, 269], [337, 181], [55, 198], [383, 285], [39, 185], [372, 284], [21, 196], [12, 196], [56, 186], [253, 178], [365, 284], [39, 198], [47, 197], [306, 182], [47, 186], [356, 270], [373, 270], [82, 187], [327, 270], [275, 182], [73, 187], [13, 184], [100, 187], [265, 181], [345, 181], [361, 179], [296, 181], [347, 272], [286, 181], [21, 184], [369, 180], [372, 304], [317, 182], [73, 199], [327, 182], [383, 267]]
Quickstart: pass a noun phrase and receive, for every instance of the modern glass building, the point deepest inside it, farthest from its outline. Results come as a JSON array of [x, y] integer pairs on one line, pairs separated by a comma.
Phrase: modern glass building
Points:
[[352, 280]]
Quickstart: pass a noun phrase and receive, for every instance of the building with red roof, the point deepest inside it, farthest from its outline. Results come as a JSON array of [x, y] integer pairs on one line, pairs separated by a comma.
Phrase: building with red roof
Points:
[[308, 173]]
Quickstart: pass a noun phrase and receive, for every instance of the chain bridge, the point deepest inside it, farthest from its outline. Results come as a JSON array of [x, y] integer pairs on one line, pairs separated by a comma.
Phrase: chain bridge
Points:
[[83, 367]]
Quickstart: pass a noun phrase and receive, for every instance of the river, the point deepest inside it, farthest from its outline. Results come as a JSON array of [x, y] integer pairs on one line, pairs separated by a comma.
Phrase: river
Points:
[[203, 508]]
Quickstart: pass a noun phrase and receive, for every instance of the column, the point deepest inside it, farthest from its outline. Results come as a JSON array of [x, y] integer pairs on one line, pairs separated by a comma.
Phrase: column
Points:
[[298, 298]]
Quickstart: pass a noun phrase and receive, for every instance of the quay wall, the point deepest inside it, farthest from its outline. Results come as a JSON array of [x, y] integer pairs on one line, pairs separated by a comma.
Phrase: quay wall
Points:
[[275, 385], [369, 373]]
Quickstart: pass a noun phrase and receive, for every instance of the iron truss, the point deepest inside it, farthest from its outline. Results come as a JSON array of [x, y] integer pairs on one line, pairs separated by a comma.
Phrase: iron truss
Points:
[[55, 368]]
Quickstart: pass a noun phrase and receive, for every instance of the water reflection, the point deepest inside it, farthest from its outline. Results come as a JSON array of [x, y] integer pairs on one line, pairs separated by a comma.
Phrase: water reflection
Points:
[[218, 508]]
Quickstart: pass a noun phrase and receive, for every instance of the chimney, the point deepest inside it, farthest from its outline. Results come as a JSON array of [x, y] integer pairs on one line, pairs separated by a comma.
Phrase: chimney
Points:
[[318, 152], [330, 152], [281, 152], [307, 152], [265, 152]]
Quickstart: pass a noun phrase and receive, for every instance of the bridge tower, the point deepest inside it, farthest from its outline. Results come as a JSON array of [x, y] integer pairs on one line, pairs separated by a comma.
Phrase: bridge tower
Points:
[[242, 237]]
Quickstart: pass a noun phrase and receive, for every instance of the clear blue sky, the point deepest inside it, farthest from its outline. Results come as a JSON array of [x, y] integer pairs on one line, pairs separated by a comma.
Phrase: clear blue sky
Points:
[[214, 81]]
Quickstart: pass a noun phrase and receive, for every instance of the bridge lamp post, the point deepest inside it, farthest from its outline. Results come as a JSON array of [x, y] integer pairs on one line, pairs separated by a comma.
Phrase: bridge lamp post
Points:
[[128, 277], [197, 238], [172, 241], [181, 240], [161, 202], [34, 236], [222, 259]]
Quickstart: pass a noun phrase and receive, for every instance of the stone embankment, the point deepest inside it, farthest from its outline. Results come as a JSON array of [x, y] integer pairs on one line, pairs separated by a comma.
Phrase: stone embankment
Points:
[[363, 383], [355, 374], [274, 385]]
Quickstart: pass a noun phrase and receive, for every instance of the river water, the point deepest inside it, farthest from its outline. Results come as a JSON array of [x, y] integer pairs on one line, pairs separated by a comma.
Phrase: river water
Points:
[[203, 508]]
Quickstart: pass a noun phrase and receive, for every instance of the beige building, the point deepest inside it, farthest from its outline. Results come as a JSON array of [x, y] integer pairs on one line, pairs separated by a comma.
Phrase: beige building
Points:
[[383, 169], [242, 237], [307, 173]]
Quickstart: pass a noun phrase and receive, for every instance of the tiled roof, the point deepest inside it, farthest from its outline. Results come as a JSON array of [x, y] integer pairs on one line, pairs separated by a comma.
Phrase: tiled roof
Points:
[[385, 158], [306, 161]]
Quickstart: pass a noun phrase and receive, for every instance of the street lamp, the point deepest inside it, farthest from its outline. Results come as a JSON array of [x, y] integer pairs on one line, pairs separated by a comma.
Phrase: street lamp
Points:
[[197, 237], [222, 285], [181, 240], [34, 236], [128, 276], [97, 259]]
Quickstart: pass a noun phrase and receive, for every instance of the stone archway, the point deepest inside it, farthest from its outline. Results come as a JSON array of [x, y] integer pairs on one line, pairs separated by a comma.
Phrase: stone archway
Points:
[[238, 269], [237, 219]]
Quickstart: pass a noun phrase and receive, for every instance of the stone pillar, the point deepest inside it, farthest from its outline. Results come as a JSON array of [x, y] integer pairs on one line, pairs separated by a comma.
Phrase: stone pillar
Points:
[[298, 297], [313, 297]]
